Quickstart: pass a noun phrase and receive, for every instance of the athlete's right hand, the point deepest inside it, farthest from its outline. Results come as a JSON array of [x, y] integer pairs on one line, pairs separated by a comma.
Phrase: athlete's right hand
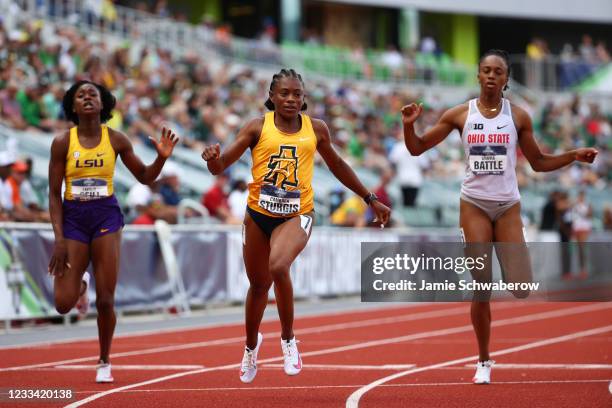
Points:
[[410, 113], [586, 154], [212, 152], [59, 260], [382, 212]]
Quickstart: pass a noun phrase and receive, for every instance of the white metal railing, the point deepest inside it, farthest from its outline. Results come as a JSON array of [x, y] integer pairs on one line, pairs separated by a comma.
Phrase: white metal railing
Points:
[[189, 205], [180, 298]]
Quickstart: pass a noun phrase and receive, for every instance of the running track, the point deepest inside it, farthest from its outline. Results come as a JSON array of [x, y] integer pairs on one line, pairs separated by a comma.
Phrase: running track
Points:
[[419, 356]]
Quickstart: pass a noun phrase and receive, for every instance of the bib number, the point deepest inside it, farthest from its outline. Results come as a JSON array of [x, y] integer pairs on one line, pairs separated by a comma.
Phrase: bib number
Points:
[[278, 201], [488, 160], [89, 189]]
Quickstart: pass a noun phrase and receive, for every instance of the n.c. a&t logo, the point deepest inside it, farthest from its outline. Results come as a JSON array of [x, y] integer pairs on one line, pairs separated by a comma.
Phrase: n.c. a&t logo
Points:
[[283, 168]]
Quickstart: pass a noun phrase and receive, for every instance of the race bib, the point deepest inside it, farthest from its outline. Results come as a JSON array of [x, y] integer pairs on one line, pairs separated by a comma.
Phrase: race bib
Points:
[[89, 189], [488, 160], [278, 201]]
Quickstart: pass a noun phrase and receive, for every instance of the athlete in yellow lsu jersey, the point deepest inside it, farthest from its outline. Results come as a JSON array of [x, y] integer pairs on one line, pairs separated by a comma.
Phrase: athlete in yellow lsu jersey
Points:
[[89, 171], [280, 208], [88, 223]]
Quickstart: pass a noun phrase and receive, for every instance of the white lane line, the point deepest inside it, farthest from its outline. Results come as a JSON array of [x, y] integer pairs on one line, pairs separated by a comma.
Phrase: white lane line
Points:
[[132, 367], [353, 400], [551, 366], [386, 367], [217, 325], [310, 330], [522, 319], [308, 387], [462, 329]]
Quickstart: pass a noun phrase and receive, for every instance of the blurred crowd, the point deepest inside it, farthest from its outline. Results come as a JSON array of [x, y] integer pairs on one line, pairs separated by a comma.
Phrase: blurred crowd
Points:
[[589, 51], [567, 66], [206, 102], [18, 199], [572, 218]]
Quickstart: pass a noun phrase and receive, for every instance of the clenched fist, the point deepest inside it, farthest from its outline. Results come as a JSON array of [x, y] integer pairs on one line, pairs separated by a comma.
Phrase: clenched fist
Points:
[[410, 113], [586, 154], [212, 152]]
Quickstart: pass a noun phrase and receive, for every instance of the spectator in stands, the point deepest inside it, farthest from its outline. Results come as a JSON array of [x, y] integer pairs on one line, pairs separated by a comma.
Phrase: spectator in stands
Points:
[[607, 218], [237, 199], [51, 105], [310, 36], [146, 205], [29, 102], [161, 9], [549, 212], [386, 175], [587, 50], [28, 195], [169, 184], [567, 53], [581, 228], [139, 201], [144, 122], [223, 37], [601, 53], [10, 108], [20, 211], [351, 213], [7, 158], [428, 45], [393, 60], [216, 201], [409, 172], [537, 53], [569, 69], [537, 49], [564, 225]]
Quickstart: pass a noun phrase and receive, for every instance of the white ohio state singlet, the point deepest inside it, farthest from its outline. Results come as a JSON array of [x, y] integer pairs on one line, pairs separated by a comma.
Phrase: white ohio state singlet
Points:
[[490, 151]]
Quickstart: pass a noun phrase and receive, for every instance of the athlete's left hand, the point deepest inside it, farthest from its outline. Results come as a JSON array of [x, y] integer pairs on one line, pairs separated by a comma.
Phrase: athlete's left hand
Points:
[[586, 154], [166, 144], [382, 212]]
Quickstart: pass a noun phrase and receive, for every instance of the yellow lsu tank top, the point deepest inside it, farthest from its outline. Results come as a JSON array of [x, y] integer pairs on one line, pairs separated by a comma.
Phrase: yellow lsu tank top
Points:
[[89, 172], [283, 164]]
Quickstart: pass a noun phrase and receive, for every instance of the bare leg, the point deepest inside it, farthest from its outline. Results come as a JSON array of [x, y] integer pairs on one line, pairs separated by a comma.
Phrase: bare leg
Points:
[[105, 258], [68, 287], [582, 237], [256, 252], [512, 254], [478, 228], [287, 241]]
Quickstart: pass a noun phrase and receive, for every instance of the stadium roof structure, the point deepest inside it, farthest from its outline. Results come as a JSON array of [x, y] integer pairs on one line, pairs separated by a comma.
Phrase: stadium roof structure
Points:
[[595, 11]]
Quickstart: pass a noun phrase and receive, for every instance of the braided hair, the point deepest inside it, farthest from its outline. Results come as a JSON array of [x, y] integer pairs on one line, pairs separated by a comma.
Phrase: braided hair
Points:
[[284, 73], [501, 54], [108, 102]]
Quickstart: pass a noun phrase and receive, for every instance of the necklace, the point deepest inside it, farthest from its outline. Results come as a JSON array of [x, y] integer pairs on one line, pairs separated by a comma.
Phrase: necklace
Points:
[[495, 109]]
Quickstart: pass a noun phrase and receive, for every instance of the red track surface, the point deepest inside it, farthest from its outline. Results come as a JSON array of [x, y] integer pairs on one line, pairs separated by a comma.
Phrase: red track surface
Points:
[[438, 339]]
